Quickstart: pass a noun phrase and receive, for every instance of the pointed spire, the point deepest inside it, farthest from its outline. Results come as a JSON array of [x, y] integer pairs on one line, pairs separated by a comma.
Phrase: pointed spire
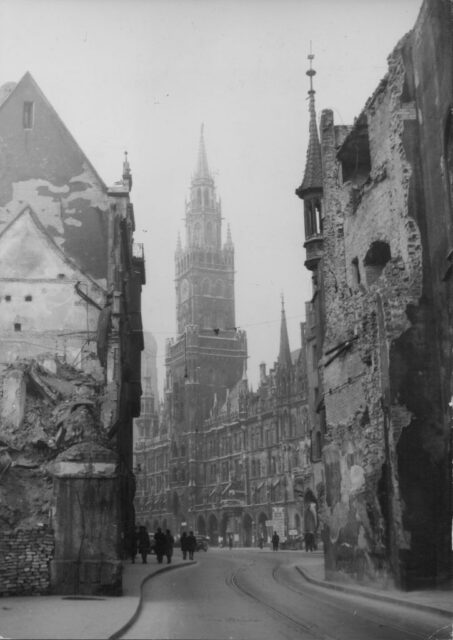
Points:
[[229, 241], [178, 244], [284, 356], [127, 175], [313, 167], [202, 170]]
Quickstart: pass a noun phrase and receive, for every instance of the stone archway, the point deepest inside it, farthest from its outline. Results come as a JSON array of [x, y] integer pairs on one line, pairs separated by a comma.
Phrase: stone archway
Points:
[[262, 529], [201, 526], [247, 530], [213, 529]]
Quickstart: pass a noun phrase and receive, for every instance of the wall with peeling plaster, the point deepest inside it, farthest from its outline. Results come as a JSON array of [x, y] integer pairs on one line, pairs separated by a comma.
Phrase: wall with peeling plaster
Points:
[[387, 456]]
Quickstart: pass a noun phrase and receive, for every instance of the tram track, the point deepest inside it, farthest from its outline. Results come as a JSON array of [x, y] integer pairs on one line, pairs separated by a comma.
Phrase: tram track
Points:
[[276, 571], [233, 581]]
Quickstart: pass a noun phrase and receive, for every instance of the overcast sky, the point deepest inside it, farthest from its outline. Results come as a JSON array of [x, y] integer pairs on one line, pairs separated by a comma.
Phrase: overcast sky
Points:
[[142, 75]]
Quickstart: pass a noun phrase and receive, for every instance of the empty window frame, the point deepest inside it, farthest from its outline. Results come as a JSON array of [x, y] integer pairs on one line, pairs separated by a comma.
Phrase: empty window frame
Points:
[[28, 115]]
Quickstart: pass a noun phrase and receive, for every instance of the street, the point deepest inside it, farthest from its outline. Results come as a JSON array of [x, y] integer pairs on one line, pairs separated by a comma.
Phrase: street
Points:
[[259, 594]]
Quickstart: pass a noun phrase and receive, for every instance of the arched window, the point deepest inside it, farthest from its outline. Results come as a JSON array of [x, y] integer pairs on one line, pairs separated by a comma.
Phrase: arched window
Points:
[[219, 290], [206, 198], [199, 195]]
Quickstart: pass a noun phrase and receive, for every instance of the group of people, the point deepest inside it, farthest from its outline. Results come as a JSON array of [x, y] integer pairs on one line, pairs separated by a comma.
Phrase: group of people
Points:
[[164, 543]]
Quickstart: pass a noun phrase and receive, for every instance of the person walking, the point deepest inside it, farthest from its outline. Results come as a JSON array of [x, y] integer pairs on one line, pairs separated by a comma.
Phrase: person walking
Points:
[[169, 543], [161, 543], [275, 541], [144, 544], [230, 542], [184, 547], [191, 544]]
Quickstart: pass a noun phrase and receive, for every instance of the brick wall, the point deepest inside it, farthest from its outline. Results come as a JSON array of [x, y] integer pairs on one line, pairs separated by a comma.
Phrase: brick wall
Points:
[[24, 561]]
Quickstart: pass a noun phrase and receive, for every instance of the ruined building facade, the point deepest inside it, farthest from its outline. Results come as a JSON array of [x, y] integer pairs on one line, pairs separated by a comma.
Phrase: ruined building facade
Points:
[[381, 236], [70, 343], [226, 461]]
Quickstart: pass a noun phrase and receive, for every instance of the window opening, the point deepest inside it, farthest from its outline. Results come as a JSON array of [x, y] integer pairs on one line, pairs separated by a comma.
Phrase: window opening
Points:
[[28, 115]]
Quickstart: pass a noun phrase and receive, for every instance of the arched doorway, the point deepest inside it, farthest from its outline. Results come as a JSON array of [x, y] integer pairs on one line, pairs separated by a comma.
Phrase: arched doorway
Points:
[[262, 529], [201, 526], [247, 526], [155, 525], [213, 529]]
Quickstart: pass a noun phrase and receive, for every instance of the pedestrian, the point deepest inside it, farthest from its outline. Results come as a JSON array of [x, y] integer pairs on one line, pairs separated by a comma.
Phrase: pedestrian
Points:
[[144, 544], [191, 544], [230, 542], [161, 544], [134, 543], [169, 543], [275, 541], [310, 525], [261, 542], [184, 548]]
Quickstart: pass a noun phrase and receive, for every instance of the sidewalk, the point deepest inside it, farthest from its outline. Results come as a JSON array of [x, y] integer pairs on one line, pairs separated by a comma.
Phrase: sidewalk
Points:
[[84, 618], [433, 600]]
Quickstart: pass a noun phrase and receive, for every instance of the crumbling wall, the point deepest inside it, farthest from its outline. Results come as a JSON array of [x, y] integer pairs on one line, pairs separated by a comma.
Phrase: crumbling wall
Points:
[[387, 362], [48, 415], [373, 274], [24, 561]]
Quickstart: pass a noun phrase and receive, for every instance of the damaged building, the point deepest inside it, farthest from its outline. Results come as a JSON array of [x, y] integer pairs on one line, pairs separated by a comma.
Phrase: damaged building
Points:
[[378, 238], [70, 344]]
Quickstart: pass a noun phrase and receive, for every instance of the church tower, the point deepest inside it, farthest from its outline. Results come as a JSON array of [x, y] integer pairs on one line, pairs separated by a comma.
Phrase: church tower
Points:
[[209, 355]]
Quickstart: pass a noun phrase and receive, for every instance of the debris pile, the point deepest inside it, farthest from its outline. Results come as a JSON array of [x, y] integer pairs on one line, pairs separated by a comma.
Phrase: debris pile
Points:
[[43, 412]]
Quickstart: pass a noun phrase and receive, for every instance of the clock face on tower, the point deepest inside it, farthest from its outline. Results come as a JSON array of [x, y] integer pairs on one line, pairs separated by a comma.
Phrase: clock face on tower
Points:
[[184, 290]]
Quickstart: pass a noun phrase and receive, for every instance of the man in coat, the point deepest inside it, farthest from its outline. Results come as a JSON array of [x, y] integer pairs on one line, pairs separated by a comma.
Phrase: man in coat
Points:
[[161, 543]]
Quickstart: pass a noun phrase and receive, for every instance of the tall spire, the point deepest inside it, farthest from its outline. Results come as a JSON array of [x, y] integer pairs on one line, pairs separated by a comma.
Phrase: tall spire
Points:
[[202, 170], [313, 167], [127, 175], [284, 356]]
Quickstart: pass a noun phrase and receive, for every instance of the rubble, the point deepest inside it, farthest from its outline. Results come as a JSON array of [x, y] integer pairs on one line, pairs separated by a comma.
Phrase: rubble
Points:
[[44, 412]]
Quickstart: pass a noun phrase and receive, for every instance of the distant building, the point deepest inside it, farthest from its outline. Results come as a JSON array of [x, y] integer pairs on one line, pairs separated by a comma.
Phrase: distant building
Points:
[[70, 298], [146, 426], [379, 238], [226, 461]]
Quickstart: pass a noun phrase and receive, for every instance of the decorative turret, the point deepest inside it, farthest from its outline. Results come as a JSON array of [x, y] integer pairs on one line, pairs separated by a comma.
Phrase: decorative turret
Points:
[[310, 190], [178, 245], [284, 355], [203, 217], [229, 241], [127, 175]]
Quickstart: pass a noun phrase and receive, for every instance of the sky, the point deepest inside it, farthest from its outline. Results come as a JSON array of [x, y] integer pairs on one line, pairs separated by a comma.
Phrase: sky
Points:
[[143, 75]]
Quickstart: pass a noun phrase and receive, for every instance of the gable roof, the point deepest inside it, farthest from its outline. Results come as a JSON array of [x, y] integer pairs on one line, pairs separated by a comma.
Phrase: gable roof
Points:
[[28, 78]]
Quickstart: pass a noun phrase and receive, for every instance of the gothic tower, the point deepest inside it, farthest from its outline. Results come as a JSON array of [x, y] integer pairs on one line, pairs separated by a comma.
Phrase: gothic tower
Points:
[[209, 355]]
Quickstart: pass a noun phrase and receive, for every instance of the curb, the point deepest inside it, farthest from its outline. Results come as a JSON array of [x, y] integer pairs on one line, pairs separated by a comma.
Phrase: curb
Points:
[[136, 614], [375, 596]]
